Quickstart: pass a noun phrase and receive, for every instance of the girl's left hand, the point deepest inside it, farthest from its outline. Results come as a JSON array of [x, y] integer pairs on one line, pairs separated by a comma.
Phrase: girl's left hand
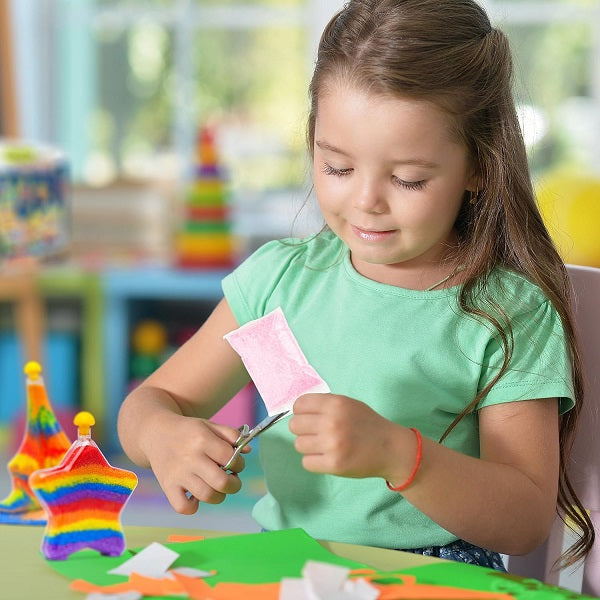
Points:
[[341, 436]]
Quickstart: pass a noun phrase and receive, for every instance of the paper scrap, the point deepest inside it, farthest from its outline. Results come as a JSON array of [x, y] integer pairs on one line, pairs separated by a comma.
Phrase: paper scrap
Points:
[[324, 581], [293, 589], [153, 561], [198, 589], [124, 596], [192, 572], [176, 537], [275, 361], [146, 586]]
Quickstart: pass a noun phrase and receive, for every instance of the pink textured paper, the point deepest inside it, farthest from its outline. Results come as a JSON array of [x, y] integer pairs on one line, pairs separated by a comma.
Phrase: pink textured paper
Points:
[[275, 361]]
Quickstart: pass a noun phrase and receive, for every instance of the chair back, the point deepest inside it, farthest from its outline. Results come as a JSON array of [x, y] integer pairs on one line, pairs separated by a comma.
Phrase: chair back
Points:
[[584, 464]]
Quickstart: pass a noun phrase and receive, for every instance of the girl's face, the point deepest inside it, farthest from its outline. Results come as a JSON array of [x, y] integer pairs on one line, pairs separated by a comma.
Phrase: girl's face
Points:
[[390, 180]]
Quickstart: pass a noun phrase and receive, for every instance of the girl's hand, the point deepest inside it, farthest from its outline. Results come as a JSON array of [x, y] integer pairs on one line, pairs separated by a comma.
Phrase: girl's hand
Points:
[[342, 436], [186, 455]]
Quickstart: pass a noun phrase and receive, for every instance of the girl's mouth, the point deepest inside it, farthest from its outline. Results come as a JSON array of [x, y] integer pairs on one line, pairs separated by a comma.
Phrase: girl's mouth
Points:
[[372, 236]]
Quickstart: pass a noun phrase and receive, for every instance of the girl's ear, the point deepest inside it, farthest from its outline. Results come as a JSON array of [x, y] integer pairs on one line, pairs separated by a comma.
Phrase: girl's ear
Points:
[[474, 183]]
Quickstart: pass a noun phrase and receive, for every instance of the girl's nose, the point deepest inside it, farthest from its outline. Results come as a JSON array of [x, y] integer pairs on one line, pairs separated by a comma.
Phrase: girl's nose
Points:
[[370, 197]]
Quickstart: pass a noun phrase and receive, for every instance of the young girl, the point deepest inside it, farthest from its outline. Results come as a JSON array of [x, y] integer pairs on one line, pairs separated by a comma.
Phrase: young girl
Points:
[[433, 304]]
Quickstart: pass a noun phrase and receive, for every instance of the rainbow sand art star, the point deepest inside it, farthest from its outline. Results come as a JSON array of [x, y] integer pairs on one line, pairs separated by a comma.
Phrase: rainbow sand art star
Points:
[[44, 444], [83, 497]]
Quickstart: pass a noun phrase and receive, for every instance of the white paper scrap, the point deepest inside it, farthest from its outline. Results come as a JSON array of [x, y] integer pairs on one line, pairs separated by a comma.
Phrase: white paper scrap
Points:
[[153, 561], [122, 596], [361, 589], [324, 578], [324, 581], [191, 572], [294, 589]]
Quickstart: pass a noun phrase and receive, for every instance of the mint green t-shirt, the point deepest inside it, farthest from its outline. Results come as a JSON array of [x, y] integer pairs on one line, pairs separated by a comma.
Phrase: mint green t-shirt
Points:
[[412, 356]]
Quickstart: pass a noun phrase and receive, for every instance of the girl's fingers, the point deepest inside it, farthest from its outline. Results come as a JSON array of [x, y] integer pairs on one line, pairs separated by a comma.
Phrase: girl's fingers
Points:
[[216, 478], [304, 424], [229, 434], [308, 403], [213, 488], [308, 444], [182, 502]]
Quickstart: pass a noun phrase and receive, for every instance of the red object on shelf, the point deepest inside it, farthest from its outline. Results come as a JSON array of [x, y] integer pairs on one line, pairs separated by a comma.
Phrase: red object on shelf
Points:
[[204, 263]]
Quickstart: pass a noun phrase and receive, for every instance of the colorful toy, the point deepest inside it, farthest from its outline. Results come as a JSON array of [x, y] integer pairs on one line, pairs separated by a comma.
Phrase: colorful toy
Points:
[[34, 185], [44, 445], [205, 238], [83, 497], [149, 349], [571, 210]]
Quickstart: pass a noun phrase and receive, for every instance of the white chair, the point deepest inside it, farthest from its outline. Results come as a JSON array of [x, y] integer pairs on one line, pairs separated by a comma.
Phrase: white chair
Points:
[[584, 466]]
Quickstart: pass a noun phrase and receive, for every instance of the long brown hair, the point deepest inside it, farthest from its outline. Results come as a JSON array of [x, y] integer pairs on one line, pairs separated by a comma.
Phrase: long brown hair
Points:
[[447, 52]]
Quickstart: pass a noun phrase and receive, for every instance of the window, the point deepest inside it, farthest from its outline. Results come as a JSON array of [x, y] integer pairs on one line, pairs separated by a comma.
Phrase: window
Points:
[[123, 85], [557, 87]]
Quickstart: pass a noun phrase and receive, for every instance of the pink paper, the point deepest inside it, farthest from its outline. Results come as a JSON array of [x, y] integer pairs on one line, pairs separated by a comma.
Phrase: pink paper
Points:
[[275, 361]]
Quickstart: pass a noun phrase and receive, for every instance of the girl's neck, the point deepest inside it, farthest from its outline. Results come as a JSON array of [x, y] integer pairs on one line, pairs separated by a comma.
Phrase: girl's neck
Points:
[[422, 277]]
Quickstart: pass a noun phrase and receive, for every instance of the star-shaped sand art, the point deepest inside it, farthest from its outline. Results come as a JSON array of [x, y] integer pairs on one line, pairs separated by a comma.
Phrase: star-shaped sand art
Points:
[[83, 498]]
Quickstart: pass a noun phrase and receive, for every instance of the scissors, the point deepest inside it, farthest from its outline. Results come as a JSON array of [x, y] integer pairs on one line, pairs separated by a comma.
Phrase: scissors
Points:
[[247, 434]]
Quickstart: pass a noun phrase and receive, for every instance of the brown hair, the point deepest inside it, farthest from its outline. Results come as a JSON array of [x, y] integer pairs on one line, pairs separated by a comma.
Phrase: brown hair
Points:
[[447, 52]]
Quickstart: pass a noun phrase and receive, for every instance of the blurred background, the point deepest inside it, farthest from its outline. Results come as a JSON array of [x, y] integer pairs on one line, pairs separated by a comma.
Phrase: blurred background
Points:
[[147, 146]]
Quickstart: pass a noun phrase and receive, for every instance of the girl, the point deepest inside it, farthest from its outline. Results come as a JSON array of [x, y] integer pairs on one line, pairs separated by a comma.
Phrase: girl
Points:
[[433, 304]]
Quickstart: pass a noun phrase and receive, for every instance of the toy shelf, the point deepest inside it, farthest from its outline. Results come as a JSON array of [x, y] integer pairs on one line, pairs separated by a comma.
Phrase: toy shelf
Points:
[[124, 289], [71, 355], [85, 289]]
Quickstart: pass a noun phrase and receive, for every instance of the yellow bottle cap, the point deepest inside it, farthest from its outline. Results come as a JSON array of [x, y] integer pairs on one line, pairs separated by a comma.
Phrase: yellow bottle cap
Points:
[[83, 421], [32, 369]]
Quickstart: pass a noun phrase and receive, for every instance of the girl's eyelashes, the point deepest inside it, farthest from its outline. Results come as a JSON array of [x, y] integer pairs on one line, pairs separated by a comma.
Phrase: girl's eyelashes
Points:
[[329, 170], [408, 185]]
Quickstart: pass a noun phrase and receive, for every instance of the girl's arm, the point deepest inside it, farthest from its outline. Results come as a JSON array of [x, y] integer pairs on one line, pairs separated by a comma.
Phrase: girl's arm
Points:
[[163, 424], [504, 501]]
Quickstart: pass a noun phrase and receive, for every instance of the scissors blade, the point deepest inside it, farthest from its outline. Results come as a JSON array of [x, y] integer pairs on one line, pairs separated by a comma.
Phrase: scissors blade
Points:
[[247, 436], [266, 423]]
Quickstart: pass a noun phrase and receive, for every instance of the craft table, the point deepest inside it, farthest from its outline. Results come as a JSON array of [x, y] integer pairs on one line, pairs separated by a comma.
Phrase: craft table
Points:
[[24, 574]]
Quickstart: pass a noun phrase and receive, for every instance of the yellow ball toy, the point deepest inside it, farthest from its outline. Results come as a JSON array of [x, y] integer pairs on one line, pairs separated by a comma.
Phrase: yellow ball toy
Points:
[[149, 337], [570, 205]]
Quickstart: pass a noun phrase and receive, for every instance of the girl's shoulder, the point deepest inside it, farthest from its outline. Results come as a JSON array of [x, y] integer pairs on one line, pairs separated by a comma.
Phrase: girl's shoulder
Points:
[[317, 251], [515, 292]]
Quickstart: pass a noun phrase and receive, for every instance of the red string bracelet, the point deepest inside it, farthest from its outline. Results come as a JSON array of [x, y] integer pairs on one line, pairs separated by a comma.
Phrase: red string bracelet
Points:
[[411, 477]]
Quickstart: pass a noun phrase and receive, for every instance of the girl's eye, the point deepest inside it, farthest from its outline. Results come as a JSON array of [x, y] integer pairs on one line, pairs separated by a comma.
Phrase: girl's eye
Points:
[[329, 170], [410, 185]]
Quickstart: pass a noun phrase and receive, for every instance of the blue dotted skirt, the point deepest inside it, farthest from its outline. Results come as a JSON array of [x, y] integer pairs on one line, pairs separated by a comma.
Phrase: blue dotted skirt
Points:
[[462, 551]]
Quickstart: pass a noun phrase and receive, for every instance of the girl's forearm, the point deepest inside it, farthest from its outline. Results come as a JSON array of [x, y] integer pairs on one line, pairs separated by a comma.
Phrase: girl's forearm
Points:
[[493, 505]]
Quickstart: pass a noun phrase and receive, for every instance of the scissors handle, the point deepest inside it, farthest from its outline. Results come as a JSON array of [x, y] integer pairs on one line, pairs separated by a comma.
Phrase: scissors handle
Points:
[[242, 440], [235, 454], [247, 435]]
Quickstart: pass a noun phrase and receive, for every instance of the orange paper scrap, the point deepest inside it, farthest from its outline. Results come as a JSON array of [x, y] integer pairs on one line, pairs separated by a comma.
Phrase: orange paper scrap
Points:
[[184, 538], [409, 589], [198, 589]]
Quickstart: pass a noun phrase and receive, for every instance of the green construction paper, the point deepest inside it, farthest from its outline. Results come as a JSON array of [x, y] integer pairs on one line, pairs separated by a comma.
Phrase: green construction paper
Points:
[[270, 556], [246, 558]]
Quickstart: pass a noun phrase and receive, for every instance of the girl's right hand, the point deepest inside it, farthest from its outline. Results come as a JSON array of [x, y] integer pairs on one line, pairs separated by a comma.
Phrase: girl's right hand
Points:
[[186, 455]]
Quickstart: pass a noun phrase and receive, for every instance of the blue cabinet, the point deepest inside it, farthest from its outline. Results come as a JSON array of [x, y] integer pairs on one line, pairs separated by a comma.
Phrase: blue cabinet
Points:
[[127, 291]]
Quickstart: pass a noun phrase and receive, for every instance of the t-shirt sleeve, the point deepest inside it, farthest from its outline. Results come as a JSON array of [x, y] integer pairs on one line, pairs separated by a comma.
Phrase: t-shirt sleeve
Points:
[[248, 288], [540, 366]]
